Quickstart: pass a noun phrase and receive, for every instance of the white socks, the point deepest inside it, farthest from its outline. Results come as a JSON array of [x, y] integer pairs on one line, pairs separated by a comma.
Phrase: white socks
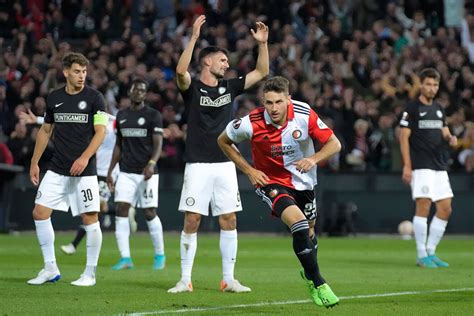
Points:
[[188, 246], [420, 228], [93, 244], [437, 228], [45, 234], [426, 245], [156, 233], [228, 247], [122, 234]]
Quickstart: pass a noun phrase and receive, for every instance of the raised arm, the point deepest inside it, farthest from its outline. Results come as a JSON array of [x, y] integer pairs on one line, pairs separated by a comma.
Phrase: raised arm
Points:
[[183, 78], [262, 67]]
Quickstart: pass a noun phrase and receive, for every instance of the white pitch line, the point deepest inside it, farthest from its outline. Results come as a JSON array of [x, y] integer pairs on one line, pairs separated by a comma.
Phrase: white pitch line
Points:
[[204, 309]]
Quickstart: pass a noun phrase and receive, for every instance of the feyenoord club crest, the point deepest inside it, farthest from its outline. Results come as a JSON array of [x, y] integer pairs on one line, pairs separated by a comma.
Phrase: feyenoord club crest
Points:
[[236, 123], [273, 193], [141, 121], [82, 105], [296, 134]]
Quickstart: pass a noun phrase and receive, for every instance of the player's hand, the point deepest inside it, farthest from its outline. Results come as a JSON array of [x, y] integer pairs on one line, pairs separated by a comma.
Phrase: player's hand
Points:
[[148, 171], [197, 25], [258, 178], [305, 165], [27, 117], [453, 141], [406, 175], [34, 174], [78, 166], [110, 183], [261, 35]]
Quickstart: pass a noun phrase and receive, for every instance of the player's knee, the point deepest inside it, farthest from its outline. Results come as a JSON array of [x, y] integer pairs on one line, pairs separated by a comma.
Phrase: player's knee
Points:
[[191, 222], [40, 213], [89, 218], [228, 221], [122, 209], [150, 213]]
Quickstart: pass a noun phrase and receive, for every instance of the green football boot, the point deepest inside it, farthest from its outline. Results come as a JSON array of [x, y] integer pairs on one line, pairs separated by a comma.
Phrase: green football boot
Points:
[[327, 296], [313, 293]]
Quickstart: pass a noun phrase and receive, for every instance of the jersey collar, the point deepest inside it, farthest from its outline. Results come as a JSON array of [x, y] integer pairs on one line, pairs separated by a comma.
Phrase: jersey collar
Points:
[[290, 116]]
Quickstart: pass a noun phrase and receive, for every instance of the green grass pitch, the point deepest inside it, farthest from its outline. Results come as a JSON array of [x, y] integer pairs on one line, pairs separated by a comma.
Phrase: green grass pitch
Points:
[[373, 276]]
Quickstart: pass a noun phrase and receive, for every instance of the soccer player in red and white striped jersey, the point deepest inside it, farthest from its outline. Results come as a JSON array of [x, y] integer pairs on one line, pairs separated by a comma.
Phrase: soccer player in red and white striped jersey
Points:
[[284, 172]]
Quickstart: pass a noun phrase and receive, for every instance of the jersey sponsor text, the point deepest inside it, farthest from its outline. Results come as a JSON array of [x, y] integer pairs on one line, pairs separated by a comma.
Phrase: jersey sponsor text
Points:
[[133, 132], [430, 124], [71, 118], [220, 101]]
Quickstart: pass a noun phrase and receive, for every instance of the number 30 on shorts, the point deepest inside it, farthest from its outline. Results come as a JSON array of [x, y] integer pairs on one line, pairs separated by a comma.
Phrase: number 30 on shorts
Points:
[[87, 195]]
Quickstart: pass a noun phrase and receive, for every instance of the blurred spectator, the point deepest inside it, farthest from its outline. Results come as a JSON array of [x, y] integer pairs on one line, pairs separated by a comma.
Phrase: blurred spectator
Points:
[[21, 145]]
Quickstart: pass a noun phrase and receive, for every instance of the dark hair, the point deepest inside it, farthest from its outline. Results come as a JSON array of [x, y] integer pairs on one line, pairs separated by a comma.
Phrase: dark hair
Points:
[[74, 58], [277, 84], [429, 73], [139, 80], [211, 50]]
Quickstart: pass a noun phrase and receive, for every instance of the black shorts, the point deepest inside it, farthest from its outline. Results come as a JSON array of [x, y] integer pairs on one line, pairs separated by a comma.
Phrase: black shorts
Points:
[[305, 200]]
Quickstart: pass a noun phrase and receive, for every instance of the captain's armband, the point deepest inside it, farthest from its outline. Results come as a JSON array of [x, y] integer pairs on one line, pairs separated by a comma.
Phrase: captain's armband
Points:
[[101, 118]]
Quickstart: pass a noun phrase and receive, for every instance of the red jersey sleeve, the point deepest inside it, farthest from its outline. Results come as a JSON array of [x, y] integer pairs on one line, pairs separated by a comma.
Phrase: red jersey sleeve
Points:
[[317, 129]]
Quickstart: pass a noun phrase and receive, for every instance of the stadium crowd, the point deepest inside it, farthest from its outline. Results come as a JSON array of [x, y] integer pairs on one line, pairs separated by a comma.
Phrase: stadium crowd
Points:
[[354, 62]]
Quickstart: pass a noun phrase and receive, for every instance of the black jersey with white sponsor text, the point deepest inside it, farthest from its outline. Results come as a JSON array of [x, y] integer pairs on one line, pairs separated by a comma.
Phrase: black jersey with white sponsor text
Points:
[[136, 129], [73, 119], [209, 109], [428, 148]]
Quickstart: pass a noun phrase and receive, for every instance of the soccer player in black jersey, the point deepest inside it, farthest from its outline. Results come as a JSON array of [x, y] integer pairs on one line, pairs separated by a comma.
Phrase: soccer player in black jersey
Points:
[[75, 120], [138, 147], [424, 140], [209, 176]]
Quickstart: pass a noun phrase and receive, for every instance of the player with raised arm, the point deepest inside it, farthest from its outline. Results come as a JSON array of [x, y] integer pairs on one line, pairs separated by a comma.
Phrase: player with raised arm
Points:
[[75, 119], [424, 140], [281, 136], [209, 176], [138, 147]]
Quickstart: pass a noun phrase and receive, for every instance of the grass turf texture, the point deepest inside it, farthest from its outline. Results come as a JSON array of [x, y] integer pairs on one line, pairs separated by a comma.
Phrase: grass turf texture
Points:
[[352, 266]]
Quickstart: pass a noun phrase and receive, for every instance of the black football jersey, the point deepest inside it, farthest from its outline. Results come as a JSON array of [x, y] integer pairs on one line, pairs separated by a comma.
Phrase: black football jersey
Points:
[[428, 148], [135, 130], [73, 119], [208, 111]]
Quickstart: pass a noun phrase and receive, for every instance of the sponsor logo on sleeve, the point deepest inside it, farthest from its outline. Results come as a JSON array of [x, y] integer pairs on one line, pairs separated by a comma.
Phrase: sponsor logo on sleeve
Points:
[[321, 124], [190, 201]]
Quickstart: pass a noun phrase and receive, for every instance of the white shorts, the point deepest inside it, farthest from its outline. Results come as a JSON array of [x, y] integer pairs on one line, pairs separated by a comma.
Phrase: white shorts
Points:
[[132, 188], [60, 192], [431, 184], [214, 183], [104, 190]]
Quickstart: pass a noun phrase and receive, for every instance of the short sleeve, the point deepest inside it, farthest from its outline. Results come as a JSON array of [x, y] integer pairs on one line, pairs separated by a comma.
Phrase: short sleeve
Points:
[[317, 129], [236, 85], [407, 117], [99, 103], [239, 130], [49, 114]]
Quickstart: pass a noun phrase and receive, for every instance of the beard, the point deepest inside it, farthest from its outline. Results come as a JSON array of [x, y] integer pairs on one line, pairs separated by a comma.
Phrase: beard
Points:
[[217, 75]]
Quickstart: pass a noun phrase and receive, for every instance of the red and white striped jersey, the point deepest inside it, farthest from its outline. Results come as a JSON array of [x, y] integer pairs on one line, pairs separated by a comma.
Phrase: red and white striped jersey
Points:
[[275, 148]]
